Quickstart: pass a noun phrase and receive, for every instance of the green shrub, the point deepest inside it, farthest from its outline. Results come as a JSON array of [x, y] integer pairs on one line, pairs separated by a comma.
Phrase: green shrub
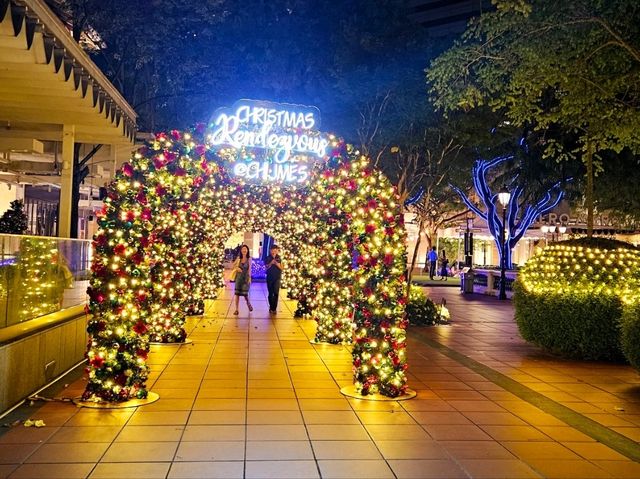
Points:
[[630, 336], [569, 298], [421, 310], [571, 324]]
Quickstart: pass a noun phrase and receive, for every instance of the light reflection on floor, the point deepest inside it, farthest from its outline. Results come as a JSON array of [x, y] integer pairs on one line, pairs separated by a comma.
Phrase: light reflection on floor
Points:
[[251, 397]]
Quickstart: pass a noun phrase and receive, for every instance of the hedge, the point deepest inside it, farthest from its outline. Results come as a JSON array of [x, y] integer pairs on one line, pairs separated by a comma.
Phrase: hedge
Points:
[[570, 324], [630, 335], [569, 299]]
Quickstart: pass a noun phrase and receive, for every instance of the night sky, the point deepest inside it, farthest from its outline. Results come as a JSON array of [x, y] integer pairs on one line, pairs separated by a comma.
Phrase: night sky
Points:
[[177, 61]]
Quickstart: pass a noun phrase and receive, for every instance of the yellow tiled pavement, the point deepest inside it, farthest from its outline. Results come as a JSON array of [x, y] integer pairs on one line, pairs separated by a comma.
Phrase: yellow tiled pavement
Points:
[[252, 398]]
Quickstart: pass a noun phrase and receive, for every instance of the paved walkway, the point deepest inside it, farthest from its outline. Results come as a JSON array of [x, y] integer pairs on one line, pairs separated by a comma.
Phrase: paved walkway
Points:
[[252, 398]]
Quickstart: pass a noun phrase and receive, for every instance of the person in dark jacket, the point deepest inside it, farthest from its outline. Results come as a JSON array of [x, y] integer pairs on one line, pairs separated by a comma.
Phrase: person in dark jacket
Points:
[[273, 264], [444, 262]]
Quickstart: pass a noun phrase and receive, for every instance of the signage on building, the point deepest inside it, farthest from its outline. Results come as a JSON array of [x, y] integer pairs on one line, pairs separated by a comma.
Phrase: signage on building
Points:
[[580, 221], [269, 142]]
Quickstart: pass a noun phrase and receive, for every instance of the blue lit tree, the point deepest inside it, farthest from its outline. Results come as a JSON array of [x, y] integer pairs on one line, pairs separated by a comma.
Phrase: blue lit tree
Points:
[[521, 212]]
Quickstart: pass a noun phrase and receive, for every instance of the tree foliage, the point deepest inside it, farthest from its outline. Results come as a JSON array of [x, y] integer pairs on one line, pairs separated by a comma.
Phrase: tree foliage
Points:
[[546, 63], [176, 61], [616, 189], [159, 54], [566, 71], [429, 159], [377, 75]]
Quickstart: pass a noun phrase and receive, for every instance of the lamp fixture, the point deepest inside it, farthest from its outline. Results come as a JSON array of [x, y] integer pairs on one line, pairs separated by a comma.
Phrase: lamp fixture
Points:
[[504, 196]]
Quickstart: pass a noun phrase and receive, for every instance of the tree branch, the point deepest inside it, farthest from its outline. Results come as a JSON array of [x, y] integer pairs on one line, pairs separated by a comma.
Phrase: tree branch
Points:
[[469, 204]]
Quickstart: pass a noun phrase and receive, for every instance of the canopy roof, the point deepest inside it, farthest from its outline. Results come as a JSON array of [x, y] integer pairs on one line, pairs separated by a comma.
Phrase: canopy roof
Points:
[[47, 81]]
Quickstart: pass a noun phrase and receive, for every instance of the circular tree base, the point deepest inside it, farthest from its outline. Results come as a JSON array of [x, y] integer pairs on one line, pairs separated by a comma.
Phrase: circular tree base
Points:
[[151, 398], [350, 391], [186, 341]]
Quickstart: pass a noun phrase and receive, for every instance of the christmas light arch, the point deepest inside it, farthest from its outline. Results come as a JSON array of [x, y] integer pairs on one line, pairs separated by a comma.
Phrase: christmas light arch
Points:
[[158, 253]]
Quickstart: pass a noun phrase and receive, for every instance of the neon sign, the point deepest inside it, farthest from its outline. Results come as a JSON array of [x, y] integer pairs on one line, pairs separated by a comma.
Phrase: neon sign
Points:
[[273, 172], [283, 137]]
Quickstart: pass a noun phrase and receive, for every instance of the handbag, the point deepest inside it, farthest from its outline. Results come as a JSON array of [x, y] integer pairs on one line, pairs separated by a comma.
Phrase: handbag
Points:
[[234, 272]]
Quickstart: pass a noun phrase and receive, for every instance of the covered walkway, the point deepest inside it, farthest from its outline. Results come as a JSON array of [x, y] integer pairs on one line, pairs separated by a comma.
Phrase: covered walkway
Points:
[[55, 103], [251, 397]]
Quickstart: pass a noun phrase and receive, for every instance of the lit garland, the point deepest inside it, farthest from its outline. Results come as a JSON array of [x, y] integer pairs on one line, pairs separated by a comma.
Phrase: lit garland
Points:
[[159, 249]]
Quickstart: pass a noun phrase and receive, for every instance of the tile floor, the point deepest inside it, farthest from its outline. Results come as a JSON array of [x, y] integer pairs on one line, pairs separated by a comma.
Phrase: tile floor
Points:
[[252, 398], [485, 331]]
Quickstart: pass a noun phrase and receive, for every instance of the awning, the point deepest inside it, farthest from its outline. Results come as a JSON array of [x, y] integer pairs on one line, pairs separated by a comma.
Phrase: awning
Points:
[[47, 81]]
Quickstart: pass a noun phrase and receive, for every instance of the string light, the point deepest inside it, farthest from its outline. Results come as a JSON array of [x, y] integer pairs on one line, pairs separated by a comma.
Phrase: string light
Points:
[[43, 275], [159, 254], [565, 268]]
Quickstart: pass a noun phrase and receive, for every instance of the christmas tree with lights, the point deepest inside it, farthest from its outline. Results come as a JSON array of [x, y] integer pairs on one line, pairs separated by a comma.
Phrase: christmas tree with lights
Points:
[[14, 220]]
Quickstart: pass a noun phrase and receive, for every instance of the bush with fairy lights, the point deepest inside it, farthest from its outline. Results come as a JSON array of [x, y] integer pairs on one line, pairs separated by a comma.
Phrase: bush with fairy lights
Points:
[[422, 311], [570, 298]]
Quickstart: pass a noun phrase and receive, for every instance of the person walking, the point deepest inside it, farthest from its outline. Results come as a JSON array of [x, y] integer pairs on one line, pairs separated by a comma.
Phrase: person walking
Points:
[[274, 274], [432, 256], [444, 262], [242, 270]]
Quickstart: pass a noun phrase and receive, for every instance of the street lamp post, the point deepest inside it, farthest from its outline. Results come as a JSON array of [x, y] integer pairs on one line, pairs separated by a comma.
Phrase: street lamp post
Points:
[[468, 241], [504, 196]]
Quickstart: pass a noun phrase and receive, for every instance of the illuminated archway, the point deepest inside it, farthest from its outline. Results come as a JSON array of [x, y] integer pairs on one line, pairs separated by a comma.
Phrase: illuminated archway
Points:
[[169, 211]]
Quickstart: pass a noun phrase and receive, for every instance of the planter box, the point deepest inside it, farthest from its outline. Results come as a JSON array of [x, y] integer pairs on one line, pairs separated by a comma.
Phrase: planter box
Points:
[[34, 352]]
